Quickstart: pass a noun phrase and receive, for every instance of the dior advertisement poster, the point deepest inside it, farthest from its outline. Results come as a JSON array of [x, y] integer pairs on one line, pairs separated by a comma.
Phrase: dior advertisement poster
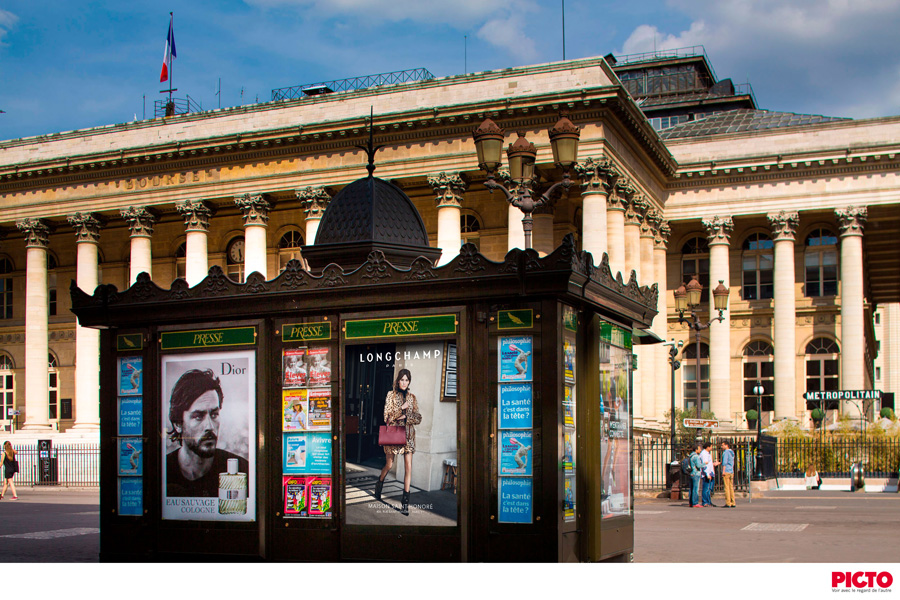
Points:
[[208, 420], [399, 484]]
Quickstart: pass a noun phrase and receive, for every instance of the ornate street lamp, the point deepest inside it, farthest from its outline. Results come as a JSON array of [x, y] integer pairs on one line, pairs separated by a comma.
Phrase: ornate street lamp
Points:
[[521, 155], [688, 297], [759, 390], [675, 364]]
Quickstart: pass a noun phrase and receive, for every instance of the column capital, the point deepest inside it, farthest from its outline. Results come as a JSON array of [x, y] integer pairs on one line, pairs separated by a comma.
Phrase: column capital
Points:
[[636, 210], [448, 189], [851, 220], [650, 223], [255, 207], [87, 227], [597, 176], [622, 192], [784, 224], [314, 201], [37, 232], [718, 229], [196, 215], [663, 232], [140, 220]]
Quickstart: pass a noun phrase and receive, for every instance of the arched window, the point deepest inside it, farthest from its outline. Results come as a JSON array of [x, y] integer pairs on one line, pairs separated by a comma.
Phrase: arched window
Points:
[[181, 261], [757, 265], [7, 386], [822, 366], [689, 365], [821, 263], [234, 259], [469, 229], [289, 248], [759, 367], [695, 261], [54, 387], [6, 290], [52, 265]]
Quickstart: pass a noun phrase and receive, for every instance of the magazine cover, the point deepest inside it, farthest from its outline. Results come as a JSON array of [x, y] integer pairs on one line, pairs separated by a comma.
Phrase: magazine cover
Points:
[[294, 410], [569, 355], [318, 489], [295, 374], [319, 409], [318, 362], [131, 381], [515, 453], [306, 453], [209, 418], [130, 461], [515, 406], [515, 358], [514, 499], [295, 499]]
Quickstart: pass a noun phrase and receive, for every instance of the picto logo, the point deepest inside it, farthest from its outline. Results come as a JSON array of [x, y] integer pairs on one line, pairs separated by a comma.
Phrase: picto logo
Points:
[[861, 579]]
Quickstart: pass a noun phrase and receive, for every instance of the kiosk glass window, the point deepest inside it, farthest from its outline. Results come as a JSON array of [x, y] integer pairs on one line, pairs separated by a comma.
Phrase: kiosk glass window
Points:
[[615, 415]]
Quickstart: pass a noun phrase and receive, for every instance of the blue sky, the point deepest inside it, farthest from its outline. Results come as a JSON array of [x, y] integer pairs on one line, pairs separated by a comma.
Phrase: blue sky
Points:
[[73, 64]]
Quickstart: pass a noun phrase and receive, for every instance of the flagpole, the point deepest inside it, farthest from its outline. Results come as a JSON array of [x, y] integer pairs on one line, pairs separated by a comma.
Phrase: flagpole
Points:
[[171, 62]]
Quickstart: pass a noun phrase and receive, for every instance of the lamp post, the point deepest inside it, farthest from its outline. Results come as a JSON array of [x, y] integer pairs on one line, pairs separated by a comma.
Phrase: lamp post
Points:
[[689, 297], [759, 390], [675, 364], [521, 155]]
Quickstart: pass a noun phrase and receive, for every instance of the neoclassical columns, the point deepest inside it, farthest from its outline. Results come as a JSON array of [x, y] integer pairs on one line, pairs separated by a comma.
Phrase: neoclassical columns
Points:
[[196, 221], [718, 230], [851, 221], [596, 180], [661, 322], [87, 340], [37, 345], [140, 221], [634, 218], [448, 191], [784, 228], [314, 201], [647, 354], [255, 208], [616, 205]]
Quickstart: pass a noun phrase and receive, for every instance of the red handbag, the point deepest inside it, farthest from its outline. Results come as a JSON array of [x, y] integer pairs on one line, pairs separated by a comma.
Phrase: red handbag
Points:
[[391, 435]]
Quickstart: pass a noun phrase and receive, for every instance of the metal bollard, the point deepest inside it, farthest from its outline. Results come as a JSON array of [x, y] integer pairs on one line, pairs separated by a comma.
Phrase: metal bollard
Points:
[[857, 477]]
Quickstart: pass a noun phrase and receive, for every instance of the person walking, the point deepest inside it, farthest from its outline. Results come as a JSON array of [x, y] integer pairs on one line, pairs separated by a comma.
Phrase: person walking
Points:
[[10, 468], [401, 408], [696, 474], [728, 473], [709, 474]]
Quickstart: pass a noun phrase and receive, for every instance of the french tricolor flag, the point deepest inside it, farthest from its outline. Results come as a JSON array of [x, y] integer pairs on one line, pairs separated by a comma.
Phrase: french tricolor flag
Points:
[[169, 56]]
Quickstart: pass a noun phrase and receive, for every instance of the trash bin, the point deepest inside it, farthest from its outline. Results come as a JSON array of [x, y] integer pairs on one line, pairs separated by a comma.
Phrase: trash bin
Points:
[[857, 477], [673, 481]]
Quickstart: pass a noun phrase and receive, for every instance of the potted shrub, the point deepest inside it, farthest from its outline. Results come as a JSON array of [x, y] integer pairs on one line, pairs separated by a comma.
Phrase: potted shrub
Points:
[[817, 415], [752, 416], [887, 413]]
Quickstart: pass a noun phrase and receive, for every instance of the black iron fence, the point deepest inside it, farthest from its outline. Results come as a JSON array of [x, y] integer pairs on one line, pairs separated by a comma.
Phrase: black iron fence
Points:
[[75, 465], [784, 458]]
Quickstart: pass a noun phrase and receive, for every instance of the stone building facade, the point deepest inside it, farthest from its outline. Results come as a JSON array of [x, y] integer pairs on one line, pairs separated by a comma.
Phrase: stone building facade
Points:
[[800, 222]]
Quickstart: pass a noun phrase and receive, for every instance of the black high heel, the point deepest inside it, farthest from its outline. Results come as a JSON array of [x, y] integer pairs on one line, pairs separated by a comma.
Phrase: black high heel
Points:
[[404, 509], [378, 487]]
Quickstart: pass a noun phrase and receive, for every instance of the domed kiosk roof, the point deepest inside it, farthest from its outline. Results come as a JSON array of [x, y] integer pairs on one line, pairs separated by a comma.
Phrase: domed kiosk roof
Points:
[[370, 214]]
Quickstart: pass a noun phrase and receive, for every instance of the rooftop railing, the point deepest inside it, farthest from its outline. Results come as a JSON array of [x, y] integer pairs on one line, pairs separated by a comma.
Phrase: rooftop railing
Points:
[[350, 84]]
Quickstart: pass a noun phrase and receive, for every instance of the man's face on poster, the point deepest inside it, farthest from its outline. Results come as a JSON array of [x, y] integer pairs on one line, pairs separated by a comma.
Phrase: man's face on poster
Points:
[[200, 425]]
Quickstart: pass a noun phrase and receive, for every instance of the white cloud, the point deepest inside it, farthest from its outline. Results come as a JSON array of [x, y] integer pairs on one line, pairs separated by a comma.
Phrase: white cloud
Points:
[[7, 20], [800, 55], [508, 33], [458, 12]]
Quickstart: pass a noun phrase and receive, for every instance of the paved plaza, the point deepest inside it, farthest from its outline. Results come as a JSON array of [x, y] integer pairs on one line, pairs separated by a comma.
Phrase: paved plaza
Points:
[[781, 527]]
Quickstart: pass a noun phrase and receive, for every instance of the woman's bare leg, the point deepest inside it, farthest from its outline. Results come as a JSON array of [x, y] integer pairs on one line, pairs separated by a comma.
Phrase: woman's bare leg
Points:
[[389, 462], [407, 476]]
